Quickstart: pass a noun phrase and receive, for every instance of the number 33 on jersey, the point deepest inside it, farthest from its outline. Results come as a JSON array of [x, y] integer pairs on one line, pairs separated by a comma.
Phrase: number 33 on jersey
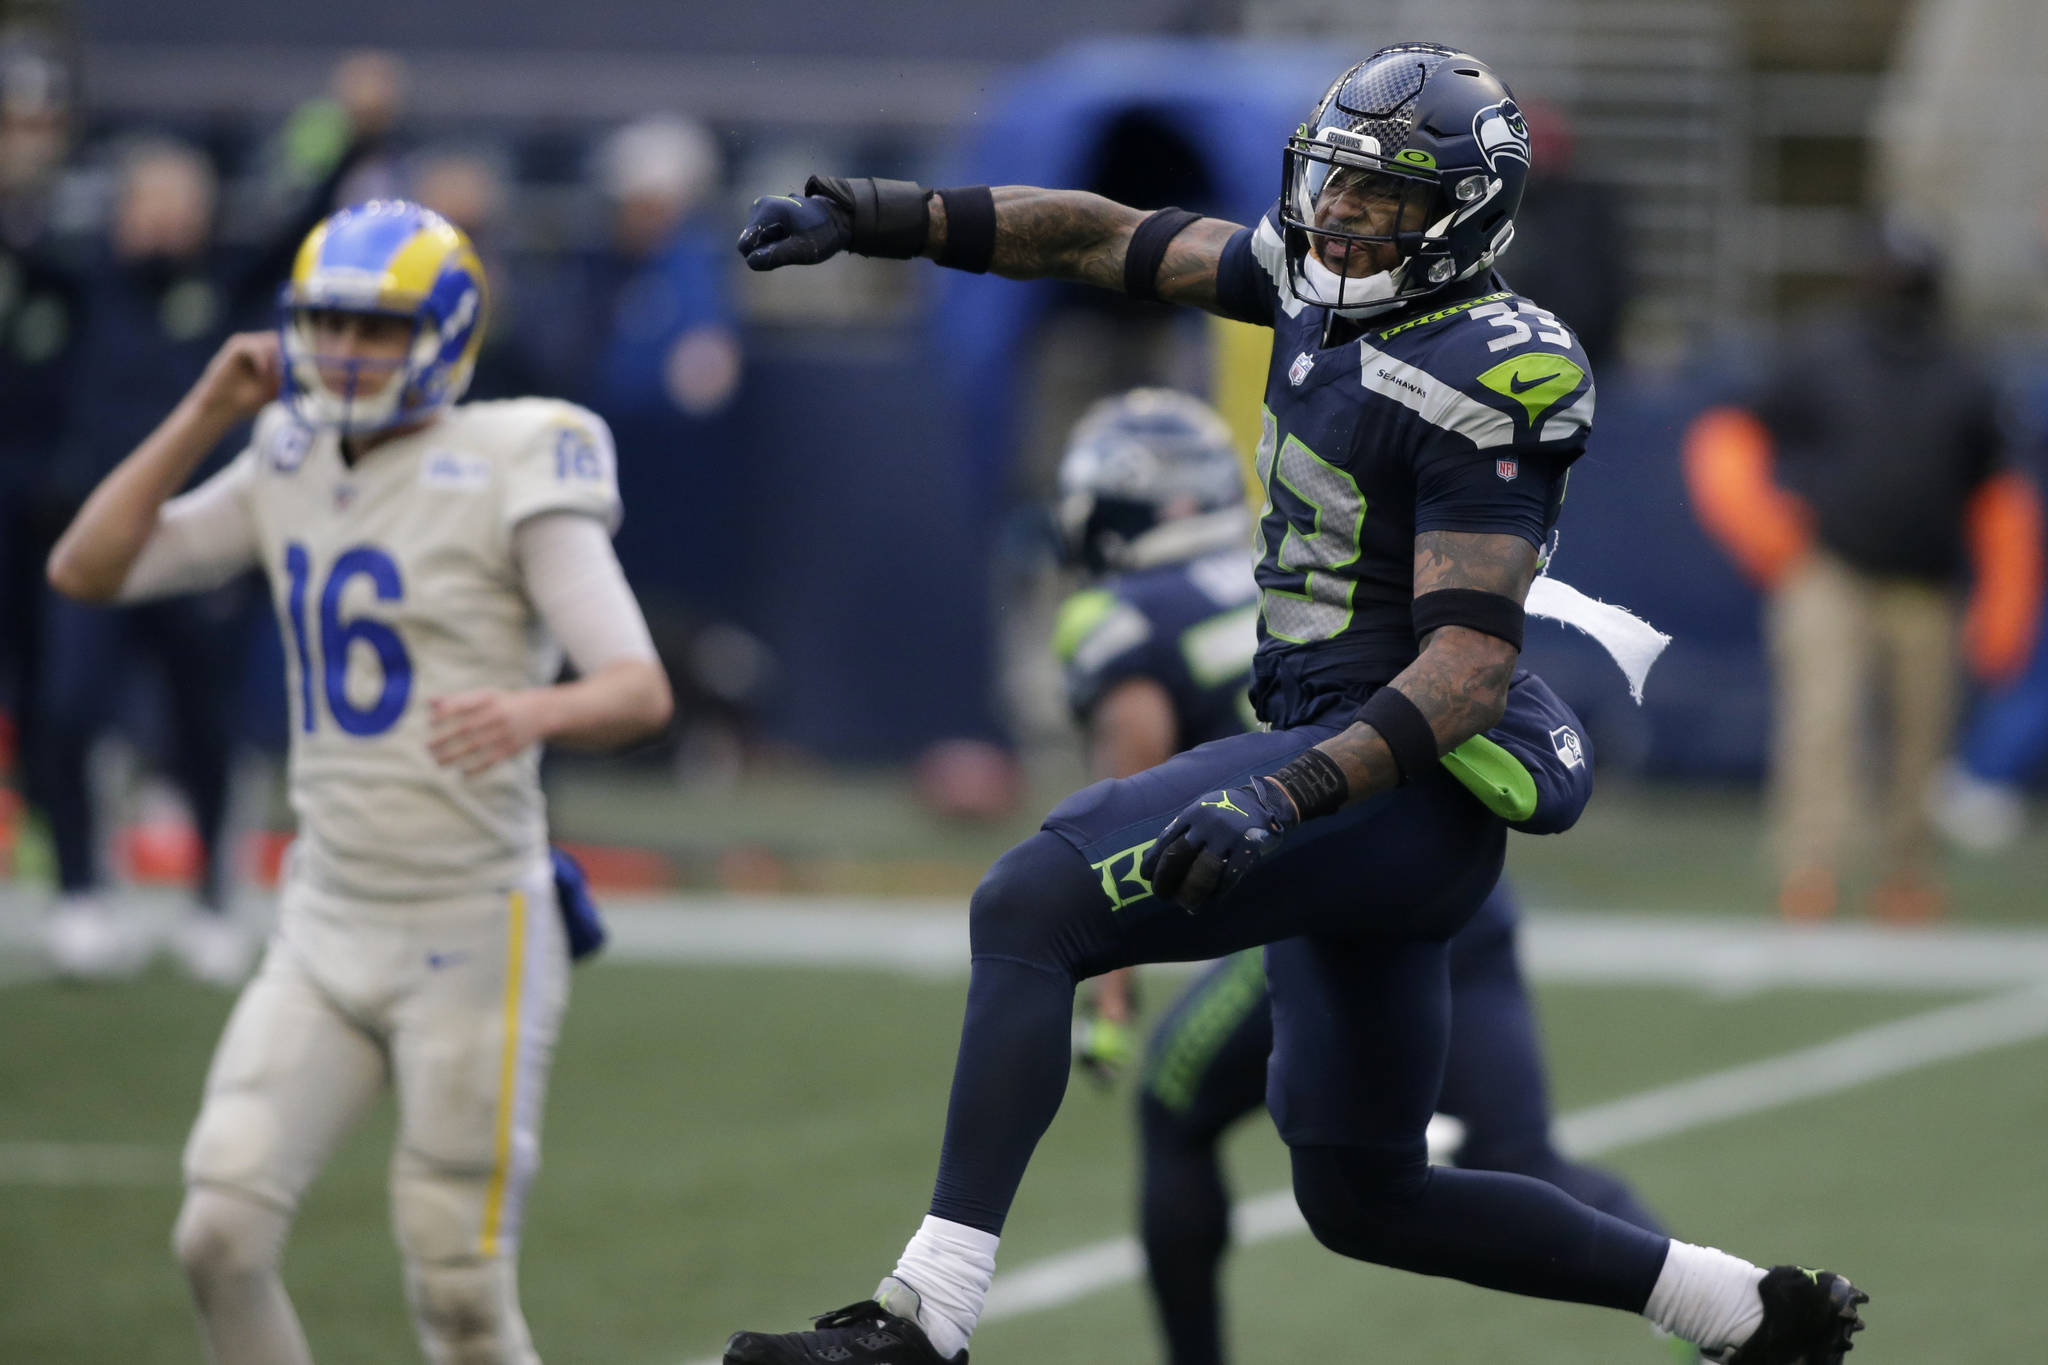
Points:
[[1462, 418]]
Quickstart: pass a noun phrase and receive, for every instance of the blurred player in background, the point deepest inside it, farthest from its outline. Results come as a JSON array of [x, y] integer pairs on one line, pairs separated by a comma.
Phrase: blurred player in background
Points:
[[1420, 419], [429, 564], [39, 310], [1158, 658]]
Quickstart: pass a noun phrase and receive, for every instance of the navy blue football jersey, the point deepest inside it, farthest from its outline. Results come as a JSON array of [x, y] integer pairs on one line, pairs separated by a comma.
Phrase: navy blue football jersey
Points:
[[1191, 627], [1463, 412]]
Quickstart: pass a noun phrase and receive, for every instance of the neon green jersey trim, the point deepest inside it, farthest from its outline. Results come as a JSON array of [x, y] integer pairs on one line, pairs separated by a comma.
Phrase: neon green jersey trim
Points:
[[1079, 615], [1443, 313], [1495, 776]]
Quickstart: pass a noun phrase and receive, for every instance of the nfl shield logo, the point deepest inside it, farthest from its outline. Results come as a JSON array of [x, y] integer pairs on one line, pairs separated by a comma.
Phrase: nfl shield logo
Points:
[[1298, 371], [1507, 469]]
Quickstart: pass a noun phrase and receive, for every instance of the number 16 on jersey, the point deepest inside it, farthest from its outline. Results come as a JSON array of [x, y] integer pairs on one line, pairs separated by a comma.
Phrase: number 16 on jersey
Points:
[[334, 636]]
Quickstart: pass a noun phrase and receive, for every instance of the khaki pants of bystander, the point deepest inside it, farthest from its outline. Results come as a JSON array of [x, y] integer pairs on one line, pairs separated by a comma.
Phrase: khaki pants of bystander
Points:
[[1834, 632]]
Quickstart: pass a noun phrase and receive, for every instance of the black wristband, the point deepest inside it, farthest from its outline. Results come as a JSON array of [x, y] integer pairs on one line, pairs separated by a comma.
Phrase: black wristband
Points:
[[889, 216], [970, 228], [1402, 725], [1315, 783], [1148, 248], [1489, 613]]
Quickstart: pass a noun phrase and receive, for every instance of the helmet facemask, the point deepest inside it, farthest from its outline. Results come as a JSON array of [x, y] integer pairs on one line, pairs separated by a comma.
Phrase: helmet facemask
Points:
[[400, 264], [1356, 225], [1404, 181], [355, 394]]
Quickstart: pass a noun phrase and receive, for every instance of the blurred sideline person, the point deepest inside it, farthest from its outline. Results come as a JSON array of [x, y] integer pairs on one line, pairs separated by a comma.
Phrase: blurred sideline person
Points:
[[1854, 494], [1982, 803], [429, 563], [156, 301], [1420, 419], [1158, 657], [643, 329], [39, 309], [155, 305], [470, 188]]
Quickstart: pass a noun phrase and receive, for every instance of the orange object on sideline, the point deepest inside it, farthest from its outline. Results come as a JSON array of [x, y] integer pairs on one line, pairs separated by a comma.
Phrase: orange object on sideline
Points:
[[2005, 604], [611, 867], [1764, 529], [163, 852], [263, 853]]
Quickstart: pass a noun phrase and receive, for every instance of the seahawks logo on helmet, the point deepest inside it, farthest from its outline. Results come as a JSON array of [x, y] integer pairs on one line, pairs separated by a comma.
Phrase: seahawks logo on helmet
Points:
[[1501, 131]]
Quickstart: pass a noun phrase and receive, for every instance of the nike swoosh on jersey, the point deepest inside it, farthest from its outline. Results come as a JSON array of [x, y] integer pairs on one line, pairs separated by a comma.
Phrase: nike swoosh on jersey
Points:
[[1516, 384]]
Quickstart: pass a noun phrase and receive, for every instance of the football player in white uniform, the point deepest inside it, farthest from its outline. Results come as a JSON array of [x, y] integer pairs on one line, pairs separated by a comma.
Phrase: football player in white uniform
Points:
[[430, 563]]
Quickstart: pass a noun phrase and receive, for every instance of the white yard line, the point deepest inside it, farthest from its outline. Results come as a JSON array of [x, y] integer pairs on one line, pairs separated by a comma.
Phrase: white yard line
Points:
[[1845, 1063], [101, 1165], [927, 937], [1720, 953]]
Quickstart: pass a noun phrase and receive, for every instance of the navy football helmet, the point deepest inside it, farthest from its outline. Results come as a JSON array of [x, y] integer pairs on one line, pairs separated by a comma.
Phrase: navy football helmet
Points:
[[1150, 477], [1405, 179]]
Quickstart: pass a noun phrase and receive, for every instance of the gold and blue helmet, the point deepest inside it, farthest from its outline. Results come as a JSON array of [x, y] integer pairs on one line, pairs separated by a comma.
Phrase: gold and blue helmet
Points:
[[397, 259]]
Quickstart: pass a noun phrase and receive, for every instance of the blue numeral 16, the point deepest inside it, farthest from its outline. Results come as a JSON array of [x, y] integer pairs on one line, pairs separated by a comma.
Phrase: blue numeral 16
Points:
[[337, 636]]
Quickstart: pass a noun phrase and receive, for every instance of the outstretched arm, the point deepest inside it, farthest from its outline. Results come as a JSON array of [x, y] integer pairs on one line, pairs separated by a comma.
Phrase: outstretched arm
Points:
[[1078, 236], [1037, 234]]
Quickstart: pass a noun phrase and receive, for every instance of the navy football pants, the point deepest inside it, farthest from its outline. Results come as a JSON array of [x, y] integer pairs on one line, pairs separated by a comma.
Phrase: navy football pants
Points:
[[1356, 909], [1206, 1070], [90, 655]]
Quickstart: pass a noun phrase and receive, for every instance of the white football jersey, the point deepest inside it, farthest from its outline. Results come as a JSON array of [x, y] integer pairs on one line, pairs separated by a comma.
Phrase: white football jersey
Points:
[[394, 583]]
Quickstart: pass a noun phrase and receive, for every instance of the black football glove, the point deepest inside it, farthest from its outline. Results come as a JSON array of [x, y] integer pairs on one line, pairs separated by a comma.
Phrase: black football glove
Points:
[[869, 217], [1211, 845], [785, 230]]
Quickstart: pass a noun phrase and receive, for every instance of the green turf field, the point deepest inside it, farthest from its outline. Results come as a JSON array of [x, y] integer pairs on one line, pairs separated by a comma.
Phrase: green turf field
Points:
[[740, 1146]]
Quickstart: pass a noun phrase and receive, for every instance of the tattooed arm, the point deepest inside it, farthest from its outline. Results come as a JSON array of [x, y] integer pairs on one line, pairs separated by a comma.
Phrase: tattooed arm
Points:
[[1460, 682], [1074, 235]]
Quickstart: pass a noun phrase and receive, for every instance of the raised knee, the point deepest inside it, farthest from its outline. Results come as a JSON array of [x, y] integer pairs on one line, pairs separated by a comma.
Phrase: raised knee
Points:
[[222, 1237], [1041, 904], [1350, 1197], [996, 911]]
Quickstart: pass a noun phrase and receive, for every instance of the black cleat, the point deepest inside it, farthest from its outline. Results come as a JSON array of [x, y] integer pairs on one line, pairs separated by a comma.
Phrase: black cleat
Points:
[[1809, 1318], [863, 1333]]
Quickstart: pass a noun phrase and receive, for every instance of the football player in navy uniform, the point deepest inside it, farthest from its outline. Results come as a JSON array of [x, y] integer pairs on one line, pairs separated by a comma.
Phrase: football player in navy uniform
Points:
[[1420, 419], [1157, 653]]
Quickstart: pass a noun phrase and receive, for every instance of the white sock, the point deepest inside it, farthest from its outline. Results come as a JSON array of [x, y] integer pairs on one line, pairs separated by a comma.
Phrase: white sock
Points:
[[1707, 1297], [948, 1266]]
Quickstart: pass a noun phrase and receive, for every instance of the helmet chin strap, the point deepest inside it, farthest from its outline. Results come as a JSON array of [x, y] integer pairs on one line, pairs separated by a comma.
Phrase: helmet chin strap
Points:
[[1363, 295]]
